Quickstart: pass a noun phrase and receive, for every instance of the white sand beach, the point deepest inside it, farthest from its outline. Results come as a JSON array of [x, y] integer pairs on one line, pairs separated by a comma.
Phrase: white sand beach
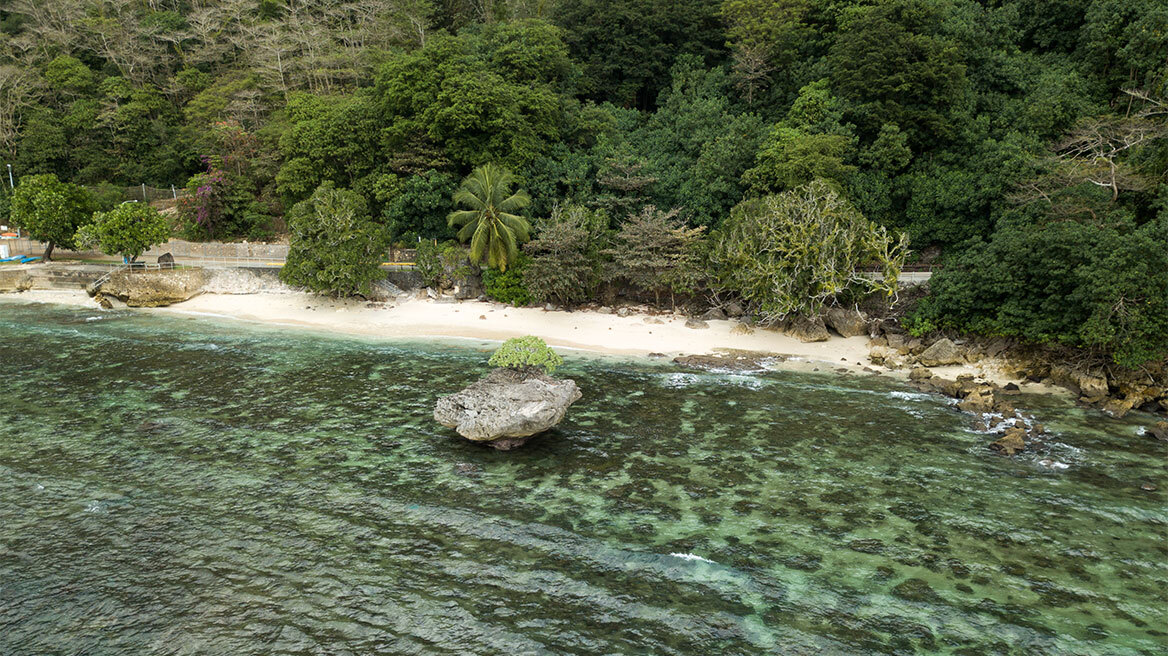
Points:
[[637, 334]]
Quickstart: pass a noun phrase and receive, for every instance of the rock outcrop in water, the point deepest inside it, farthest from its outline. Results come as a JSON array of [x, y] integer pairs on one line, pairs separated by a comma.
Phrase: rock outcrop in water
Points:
[[508, 407]]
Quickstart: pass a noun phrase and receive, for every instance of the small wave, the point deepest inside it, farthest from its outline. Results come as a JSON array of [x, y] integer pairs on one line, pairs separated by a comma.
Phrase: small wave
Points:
[[912, 396], [94, 318], [689, 556]]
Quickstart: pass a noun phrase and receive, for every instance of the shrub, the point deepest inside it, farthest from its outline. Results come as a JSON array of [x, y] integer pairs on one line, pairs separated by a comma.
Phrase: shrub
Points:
[[127, 230], [654, 252], [526, 353], [508, 287], [335, 248]]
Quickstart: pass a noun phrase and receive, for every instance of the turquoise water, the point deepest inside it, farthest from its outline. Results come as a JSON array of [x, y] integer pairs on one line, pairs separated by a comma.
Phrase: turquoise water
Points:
[[180, 486]]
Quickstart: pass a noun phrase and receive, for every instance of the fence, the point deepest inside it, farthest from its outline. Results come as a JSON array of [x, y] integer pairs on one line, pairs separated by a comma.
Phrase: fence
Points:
[[142, 192]]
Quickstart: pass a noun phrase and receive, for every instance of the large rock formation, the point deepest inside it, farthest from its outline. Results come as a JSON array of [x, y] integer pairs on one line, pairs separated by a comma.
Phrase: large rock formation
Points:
[[507, 407], [849, 323], [155, 288]]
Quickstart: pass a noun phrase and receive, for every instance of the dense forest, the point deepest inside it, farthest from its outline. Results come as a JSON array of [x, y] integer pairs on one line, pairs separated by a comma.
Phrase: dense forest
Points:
[[1022, 144]]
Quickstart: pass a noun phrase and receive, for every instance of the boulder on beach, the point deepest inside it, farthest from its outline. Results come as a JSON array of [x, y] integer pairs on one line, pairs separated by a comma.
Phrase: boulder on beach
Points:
[[806, 329], [942, 352], [507, 407], [849, 323]]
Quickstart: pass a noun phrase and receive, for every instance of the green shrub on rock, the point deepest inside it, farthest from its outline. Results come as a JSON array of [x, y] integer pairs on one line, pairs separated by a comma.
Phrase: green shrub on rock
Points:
[[526, 353]]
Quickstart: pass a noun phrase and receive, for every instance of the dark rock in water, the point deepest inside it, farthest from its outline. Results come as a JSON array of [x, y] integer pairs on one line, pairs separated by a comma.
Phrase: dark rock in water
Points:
[[1148, 487], [466, 469], [919, 373], [729, 359], [507, 407], [1160, 430], [915, 590]]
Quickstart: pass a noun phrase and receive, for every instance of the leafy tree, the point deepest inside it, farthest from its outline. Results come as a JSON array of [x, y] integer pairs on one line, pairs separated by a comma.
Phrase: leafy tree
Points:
[[624, 185], [442, 265], [565, 258], [129, 230], [335, 247], [797, 251], [491, 225], [477, 105], [420, 206], [766, 36], [50, 210], [526, 354], [333, 138], [654, 252]]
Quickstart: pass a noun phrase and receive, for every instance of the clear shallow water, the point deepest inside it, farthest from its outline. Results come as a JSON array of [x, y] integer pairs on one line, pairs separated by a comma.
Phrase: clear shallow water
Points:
[[176, 486]]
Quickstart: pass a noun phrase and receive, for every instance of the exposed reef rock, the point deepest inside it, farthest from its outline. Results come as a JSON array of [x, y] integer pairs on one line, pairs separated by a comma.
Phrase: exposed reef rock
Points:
[[1014, 429], [14, 280], [507, 407], [729, 360], [806, 329], [941, 353], [1113, 390]]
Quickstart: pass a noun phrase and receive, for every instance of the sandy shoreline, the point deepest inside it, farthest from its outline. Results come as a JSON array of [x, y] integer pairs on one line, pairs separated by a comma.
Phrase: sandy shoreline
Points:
[[610, 334]]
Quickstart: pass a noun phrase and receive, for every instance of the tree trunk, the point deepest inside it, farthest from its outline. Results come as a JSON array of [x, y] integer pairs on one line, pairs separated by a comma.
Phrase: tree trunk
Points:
[[48, 256]]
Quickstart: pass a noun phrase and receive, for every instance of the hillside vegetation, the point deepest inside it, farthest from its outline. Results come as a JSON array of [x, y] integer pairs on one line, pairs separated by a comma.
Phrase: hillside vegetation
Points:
[[1021, 143]]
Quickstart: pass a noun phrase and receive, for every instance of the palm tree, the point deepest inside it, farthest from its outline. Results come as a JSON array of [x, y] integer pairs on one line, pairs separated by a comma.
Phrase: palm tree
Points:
[[490, 224]]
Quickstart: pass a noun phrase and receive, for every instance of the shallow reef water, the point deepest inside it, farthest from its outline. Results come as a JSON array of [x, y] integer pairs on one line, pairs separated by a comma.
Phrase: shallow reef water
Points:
[[172, 485]]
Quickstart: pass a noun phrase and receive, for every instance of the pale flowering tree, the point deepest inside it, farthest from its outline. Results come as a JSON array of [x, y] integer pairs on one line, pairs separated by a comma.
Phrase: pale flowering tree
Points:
[[794, 252]]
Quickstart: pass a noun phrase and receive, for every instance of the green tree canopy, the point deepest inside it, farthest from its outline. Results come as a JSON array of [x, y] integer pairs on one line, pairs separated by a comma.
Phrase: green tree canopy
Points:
[[51, 210], [335, 247], [1094, 284], [565, 258], [129, 230]]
